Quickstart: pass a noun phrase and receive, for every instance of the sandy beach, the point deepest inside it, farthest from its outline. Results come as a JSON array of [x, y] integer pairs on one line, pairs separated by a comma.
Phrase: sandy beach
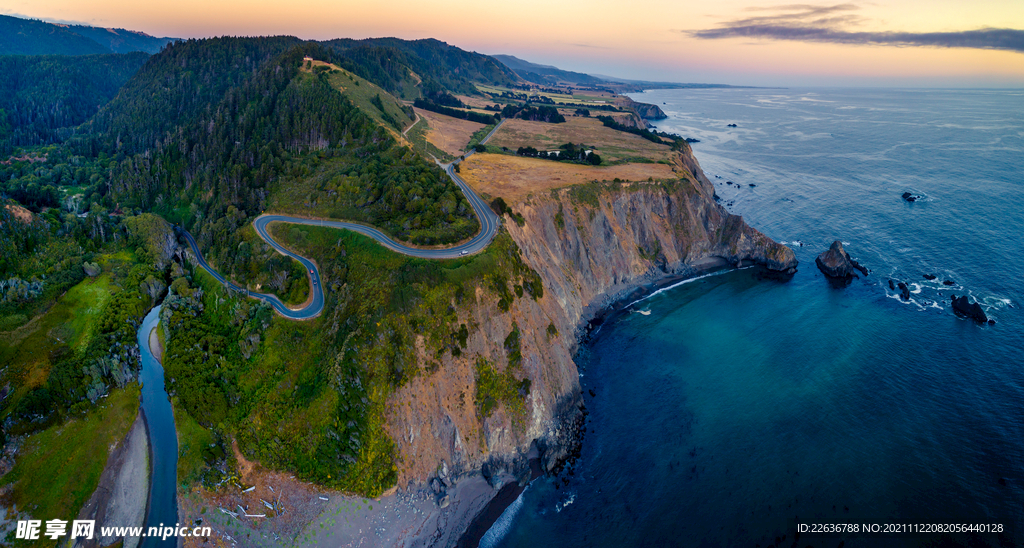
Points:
[[154, 345]]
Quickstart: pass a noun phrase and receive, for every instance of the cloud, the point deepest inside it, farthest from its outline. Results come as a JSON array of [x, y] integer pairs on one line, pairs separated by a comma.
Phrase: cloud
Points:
[[807, 23]]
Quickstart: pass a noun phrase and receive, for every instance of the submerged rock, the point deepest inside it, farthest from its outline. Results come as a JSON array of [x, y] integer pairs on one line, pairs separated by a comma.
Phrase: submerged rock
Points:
[[964, 307], [908, 197], [892, 286], [929, 277], [836, 262], [948, 282]]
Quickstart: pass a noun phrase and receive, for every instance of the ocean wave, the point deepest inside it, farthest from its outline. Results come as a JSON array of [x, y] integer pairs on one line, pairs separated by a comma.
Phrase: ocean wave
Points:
[[503, 524], [684, 282]]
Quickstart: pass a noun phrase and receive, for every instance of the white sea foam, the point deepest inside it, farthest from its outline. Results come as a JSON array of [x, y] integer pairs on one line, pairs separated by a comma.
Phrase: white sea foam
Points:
[[568, 500], [684, 282], [503, 524]]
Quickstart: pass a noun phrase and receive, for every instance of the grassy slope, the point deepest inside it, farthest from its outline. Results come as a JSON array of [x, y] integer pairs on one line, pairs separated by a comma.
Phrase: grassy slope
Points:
[[70, 323], [417, 136], [362, 92], [59, 468], [192, 437], [382, 300]]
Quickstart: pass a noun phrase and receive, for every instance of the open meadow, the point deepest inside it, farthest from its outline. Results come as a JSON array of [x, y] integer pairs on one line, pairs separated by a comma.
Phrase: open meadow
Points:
[[611, 145], [514, 177], [446, 133]]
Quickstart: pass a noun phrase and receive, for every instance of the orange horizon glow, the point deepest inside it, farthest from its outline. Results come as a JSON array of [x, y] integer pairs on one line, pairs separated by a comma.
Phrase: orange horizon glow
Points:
[[642, 40]]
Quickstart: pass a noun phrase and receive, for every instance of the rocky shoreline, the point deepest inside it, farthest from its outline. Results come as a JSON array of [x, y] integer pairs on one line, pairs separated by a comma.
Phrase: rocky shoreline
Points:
[[473, 502]]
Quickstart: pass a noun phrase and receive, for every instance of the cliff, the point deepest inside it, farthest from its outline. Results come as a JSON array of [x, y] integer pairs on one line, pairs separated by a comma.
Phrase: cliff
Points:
[[649, 112], [590, 244], [645, 111]]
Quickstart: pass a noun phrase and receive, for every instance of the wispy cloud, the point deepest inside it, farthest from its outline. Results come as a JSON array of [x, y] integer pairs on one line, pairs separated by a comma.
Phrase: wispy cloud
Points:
[[831, 24]]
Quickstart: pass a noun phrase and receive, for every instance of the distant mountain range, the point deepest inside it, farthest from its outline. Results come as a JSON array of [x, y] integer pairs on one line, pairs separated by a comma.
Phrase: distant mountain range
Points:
[[34, 37], [547, 74]]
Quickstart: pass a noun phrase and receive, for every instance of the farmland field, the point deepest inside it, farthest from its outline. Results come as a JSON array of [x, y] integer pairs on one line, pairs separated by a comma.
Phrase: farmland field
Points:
[[611, 145], [514, 177]]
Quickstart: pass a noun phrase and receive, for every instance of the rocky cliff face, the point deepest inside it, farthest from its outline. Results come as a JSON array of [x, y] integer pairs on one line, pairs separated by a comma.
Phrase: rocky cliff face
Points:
[[590, 244], [644, 111], [648, 111]]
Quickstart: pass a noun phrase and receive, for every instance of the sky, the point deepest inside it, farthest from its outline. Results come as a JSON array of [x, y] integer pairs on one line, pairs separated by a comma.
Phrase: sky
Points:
[[880, 43]]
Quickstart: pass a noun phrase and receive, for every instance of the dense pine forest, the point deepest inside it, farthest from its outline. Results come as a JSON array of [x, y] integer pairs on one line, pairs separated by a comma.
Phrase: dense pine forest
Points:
[[206, 135], [43, 98]]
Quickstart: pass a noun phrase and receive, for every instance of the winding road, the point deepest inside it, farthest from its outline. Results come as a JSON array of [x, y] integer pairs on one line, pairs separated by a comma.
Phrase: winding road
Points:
[[489, 223]]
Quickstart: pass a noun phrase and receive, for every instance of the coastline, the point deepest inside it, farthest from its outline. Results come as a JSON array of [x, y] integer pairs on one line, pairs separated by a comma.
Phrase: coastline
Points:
[[613, 305], [413, 516]]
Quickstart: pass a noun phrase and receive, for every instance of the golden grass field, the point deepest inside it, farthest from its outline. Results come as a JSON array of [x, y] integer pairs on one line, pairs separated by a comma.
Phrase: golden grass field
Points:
[[610, 144], [448, 134], [514, 177]]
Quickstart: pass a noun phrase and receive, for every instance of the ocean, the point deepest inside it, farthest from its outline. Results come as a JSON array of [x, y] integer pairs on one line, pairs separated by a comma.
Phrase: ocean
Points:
[[730, 411]]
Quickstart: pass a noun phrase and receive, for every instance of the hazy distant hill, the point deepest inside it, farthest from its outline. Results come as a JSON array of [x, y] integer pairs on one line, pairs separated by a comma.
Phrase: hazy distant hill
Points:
[[122, 40], [34, 37], [433, 64], [545, 74]]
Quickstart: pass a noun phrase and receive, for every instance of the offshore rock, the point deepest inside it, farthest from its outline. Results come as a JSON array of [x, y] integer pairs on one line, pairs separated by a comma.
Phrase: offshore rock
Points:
[[963, 307], [836, 262], [904, 291]]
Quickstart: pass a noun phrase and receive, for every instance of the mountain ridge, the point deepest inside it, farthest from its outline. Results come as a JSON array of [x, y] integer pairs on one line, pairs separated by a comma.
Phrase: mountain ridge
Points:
[[21, 36]]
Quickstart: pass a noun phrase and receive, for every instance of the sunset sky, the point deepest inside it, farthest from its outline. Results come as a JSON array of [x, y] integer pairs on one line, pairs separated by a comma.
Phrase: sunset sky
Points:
[[878, 43]]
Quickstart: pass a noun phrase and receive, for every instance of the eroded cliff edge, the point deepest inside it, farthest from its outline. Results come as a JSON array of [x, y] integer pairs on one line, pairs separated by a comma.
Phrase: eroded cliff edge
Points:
[[590, 244]]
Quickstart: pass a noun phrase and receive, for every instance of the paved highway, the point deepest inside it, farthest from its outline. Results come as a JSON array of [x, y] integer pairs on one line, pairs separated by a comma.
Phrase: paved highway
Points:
[[489, 223]]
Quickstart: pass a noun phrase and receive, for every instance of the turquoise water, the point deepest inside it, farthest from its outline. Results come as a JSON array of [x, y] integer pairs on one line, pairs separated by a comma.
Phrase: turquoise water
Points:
[[737, 409]]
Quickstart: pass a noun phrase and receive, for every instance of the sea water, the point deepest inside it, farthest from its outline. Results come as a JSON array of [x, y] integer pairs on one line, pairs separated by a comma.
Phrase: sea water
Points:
[[731, 410]]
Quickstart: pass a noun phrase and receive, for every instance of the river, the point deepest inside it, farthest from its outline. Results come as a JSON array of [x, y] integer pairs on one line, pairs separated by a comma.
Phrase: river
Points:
[[163, 441]]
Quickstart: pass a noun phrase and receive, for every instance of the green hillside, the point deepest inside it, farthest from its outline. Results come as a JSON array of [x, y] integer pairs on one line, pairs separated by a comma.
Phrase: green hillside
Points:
[[374, 101], [34, 37], [42, 98], [432, 65], [208, 134]]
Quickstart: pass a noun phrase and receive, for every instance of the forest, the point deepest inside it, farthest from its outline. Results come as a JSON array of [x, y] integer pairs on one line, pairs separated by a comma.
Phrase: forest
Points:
[[206, 135], [43, 98], [534, 113]]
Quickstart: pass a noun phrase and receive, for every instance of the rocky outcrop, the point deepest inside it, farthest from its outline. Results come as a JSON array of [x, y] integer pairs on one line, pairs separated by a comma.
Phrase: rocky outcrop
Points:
[[648, 111], [836, 262], [964, 307], [904, 291], [591, 245]]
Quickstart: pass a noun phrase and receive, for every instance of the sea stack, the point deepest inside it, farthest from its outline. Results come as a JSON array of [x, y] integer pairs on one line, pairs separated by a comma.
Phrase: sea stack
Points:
[[836, 262], [963, 306]]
